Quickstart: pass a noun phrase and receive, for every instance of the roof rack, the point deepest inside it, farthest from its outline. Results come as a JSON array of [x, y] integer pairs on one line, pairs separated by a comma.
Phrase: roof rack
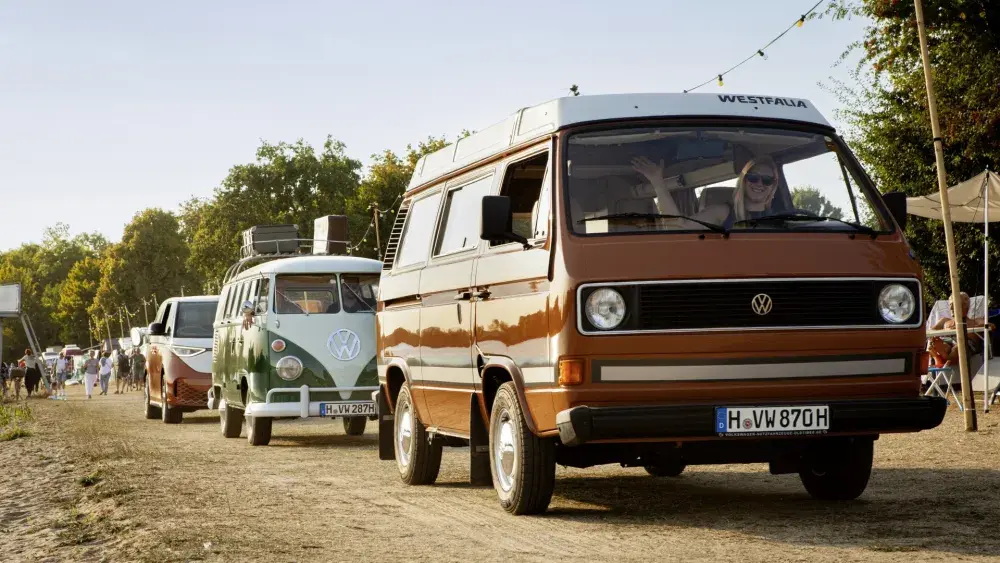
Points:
[[248, 256]]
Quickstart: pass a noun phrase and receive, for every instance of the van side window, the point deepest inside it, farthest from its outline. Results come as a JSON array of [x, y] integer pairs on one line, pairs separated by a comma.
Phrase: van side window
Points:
[[220, 311], [417, 233], [523, 183], [460, 227], [251, 294], [262, 295]]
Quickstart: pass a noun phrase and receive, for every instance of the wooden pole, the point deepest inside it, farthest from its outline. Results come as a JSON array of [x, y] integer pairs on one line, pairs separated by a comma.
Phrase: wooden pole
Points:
[[949, 237], [378, 240]]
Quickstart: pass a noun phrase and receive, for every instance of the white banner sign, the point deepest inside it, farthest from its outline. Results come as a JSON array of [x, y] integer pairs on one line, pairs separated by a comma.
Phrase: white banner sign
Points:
[[10, 300]]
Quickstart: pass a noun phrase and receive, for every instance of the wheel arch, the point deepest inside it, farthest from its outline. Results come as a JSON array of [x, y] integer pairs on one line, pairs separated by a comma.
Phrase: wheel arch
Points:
[[494, 372], [397, 373]]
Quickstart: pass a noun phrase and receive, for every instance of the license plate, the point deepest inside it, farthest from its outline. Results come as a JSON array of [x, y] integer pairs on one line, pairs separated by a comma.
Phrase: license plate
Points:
[[765, 421], [357, 408]]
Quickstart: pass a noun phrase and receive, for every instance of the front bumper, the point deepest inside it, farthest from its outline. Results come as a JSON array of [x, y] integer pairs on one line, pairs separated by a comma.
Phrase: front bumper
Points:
[[303, 408], [579, 425]]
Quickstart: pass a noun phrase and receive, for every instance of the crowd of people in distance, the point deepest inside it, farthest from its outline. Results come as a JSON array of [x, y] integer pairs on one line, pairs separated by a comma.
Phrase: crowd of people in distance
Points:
[[30, 372]]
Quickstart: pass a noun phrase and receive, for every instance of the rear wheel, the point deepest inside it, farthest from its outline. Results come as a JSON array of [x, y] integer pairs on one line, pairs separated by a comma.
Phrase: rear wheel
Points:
[[523, 465], [666, 469], [258, 430], [355, 425], [231, 421], [838, 471], [152, 412], [417, 457], [170, 414]]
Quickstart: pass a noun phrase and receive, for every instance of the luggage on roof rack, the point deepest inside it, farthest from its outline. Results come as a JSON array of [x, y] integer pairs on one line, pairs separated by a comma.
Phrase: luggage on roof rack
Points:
[[270, 239], [330, 235]]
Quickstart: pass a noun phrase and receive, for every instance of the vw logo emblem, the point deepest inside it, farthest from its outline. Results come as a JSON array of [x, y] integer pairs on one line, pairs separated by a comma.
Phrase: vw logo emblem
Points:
[[344, 345], [761, 304]]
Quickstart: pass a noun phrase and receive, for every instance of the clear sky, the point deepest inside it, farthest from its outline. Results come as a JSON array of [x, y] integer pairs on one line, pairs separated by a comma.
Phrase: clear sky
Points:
[[109, 107]]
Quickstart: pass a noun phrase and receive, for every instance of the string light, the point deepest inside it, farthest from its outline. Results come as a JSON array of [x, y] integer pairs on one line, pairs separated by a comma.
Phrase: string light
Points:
[[721, 83], [759, 52]]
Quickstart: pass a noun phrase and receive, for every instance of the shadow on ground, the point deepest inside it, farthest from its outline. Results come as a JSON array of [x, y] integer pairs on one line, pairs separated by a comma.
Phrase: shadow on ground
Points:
[[950, 510]]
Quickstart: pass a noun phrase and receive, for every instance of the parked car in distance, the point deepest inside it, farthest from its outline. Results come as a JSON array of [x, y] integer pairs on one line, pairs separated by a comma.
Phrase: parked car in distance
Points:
[[628, 279], [179, 357]]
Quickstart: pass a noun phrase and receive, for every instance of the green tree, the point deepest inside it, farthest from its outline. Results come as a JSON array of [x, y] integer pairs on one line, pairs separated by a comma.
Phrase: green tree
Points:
[[76, 295], [808, 198], [889, 125], [150, 259]]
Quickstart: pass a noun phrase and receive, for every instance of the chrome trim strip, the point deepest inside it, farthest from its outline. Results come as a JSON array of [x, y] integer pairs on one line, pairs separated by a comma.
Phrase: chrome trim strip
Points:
[[749, 371], [579, 309]]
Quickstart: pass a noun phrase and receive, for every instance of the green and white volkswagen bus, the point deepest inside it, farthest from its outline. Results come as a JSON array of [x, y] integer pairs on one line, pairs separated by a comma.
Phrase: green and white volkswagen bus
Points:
[[295, 337]]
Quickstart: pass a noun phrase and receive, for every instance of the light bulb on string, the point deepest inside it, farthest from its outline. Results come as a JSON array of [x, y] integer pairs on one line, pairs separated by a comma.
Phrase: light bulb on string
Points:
[[801, 21], [721, 83], [762, 54]]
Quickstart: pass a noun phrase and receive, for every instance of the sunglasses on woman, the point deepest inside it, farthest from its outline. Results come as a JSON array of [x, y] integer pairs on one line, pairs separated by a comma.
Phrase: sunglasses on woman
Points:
[[761, 179]]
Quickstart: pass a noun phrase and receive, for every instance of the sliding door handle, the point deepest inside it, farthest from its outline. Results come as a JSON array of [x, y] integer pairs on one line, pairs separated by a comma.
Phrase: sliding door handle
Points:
[[481, 294], [463, 296]]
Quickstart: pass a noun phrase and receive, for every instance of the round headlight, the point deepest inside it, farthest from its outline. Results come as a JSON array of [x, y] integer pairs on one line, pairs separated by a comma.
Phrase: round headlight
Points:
[[288, 368], [605, 308], [896, 303]]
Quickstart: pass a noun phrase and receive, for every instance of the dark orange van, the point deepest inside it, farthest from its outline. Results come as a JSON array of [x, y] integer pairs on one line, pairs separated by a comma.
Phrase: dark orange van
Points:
[[656, 280]]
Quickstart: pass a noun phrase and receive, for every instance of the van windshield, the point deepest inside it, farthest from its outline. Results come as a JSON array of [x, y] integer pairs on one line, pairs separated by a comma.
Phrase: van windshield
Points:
[[656, 179], [359, 292], [194, 319], [306, 294]]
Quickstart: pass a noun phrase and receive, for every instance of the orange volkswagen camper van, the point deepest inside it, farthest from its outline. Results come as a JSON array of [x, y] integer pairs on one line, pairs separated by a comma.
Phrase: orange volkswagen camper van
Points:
[[657, 281]]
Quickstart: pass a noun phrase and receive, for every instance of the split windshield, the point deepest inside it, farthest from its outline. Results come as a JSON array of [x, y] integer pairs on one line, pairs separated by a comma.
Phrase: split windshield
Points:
[[656, 179], [321, 294]]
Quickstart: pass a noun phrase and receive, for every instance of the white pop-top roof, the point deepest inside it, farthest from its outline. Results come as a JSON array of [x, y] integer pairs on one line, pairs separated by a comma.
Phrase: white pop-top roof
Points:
[[195, 298], [316, 264], [531, 123]]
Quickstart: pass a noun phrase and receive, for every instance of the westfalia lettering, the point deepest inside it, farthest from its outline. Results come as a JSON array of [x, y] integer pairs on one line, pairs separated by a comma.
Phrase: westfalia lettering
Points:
[[763, 100]]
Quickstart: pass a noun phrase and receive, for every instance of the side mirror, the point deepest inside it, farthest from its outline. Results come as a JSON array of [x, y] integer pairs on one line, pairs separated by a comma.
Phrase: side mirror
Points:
[[896, 202], [497, 221], [248, 308], [156, 329]]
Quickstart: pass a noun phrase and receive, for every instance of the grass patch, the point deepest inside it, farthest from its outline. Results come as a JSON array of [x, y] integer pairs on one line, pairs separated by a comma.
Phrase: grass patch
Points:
[[89, 480], [13, 433]]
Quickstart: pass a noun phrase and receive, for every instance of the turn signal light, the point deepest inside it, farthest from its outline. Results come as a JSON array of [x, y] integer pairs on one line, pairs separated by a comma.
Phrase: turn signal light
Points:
[[278, 345], [570, 372]]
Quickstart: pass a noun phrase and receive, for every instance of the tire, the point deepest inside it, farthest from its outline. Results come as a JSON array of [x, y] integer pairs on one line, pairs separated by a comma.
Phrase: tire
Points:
[[418, 458], [838, 472], [152, 412], [355, 425], [523, 465], [231, 421], [258, 430], [169, 414], [666, 469]]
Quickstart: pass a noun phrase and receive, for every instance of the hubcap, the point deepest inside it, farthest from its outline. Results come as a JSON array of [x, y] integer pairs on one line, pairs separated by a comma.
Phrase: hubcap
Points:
[[505, 452], [404, 434]]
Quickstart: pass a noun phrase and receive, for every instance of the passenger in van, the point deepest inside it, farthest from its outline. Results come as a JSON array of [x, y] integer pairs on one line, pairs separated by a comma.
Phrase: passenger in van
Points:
[[755, 190]]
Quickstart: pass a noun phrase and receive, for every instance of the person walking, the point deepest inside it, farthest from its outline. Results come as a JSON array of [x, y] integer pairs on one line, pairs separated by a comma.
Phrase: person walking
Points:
[[138, 369], [106, 365], [122, 378], [4, 376], [91, 368], [62, 375], [32, 371]]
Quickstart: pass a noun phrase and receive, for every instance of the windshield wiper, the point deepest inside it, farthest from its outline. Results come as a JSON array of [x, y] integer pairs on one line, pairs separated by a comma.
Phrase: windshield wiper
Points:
[[798, 216], [710, 226]]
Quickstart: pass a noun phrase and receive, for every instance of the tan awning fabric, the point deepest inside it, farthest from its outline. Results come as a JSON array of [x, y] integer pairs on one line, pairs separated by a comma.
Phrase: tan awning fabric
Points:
[[966, 200]]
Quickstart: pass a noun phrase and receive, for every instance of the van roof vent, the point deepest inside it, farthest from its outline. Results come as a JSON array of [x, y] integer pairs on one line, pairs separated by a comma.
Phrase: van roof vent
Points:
[[395, 235]]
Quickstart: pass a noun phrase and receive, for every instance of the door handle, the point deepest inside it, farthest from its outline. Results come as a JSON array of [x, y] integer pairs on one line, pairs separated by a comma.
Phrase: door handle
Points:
[[463, 295], [481, 294]]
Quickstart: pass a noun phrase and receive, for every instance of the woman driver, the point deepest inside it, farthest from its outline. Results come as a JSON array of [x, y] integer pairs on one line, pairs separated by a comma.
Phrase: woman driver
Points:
[[755, 189]]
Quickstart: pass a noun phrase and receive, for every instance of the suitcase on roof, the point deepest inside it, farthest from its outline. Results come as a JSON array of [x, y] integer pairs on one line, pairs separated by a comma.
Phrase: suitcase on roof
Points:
[[270, 239]]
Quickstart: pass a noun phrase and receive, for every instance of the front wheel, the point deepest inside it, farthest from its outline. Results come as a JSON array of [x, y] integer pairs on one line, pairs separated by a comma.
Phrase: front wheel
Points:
[[355, 425], [258, 430], [523, 465], [838, 472], [170, 414], [418, 458], [152, 412], [231, 421]]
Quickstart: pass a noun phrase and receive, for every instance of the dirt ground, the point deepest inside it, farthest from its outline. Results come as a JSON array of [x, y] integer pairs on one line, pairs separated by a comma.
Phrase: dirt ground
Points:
[[97, 482]]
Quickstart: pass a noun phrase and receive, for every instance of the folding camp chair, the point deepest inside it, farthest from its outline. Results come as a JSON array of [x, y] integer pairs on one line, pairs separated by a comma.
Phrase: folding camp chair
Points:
[[941, 377]]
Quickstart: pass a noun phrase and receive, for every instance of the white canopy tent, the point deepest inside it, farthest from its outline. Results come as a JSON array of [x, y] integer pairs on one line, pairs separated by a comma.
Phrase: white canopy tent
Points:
[[972, 201]]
